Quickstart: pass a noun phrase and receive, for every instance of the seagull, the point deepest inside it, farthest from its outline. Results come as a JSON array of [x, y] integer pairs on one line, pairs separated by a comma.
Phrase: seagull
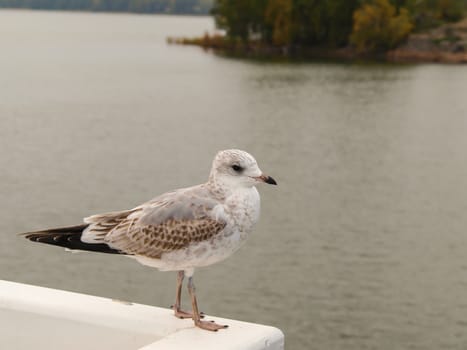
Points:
[[180, 230]]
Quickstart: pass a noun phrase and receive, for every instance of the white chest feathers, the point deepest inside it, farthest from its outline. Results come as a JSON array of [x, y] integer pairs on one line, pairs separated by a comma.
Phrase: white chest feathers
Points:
[[242, 207]]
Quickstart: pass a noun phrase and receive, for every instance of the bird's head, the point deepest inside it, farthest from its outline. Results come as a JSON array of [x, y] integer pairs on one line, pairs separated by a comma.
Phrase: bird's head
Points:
[[236, 168]]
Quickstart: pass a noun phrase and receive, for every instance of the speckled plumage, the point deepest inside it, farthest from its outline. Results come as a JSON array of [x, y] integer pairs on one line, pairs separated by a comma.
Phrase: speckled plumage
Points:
[[179, 230], [185, 228]]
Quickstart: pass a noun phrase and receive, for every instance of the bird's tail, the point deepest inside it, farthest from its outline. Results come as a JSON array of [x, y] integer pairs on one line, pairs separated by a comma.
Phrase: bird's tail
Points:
[[68, 237]]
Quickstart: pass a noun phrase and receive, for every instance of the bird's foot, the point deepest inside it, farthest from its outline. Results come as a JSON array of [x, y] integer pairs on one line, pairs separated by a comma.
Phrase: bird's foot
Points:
[[184, 314], [209, 325]]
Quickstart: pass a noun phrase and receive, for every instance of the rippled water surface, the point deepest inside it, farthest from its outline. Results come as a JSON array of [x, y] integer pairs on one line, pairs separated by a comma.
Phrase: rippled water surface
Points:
[[363, 245]]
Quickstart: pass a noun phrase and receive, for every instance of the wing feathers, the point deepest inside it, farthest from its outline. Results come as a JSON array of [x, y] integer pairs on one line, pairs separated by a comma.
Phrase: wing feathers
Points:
[[169, 222], [153, 241]]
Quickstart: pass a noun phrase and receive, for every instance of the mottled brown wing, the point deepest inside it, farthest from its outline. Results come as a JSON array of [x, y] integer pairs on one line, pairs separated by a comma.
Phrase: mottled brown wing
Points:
[[168, 223], [132, 237]]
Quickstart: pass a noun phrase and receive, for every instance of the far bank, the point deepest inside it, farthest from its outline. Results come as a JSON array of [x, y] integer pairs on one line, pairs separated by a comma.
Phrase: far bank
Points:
[[445, 44]]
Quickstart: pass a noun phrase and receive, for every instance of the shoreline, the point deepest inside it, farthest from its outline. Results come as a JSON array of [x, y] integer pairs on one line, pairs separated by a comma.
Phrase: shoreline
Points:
[[444, 44]]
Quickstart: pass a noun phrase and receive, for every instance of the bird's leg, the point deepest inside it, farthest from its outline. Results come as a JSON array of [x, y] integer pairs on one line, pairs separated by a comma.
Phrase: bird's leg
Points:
[[178, 312], [208, 325]]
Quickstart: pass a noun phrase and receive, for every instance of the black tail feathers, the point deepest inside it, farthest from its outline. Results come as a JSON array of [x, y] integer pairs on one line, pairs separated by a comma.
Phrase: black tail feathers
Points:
[[68, 237]]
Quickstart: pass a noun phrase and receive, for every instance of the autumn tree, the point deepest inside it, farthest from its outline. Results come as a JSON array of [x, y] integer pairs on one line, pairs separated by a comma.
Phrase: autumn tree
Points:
[[378, 27], [278, 16]]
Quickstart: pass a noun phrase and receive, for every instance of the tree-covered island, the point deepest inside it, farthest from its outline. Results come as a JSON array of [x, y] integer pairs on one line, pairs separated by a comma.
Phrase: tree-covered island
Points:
[[400, 30]]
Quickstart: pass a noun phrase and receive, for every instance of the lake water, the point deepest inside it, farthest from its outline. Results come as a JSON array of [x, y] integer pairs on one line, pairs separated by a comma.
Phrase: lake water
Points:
[[363, 245]]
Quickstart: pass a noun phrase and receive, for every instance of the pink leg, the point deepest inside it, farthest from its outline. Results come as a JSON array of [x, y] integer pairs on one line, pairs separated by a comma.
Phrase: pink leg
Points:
[[178, 312], [208, 325]]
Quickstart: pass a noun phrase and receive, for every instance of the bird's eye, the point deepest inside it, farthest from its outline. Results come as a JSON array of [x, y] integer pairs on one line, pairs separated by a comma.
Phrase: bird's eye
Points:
[[237, 168]]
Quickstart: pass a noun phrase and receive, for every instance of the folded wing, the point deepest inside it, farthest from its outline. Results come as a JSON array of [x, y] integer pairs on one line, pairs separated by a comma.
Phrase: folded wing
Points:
[[170, 222]]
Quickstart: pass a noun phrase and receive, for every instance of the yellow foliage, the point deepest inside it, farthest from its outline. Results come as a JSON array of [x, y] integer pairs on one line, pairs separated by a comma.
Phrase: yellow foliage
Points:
[[279, 15], [377, 27]]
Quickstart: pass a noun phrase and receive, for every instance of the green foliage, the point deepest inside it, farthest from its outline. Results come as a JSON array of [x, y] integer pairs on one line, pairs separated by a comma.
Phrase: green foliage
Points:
[[240, 18], [287, 22], [369, 24], [377, 26], [432, 13], [320, 22], [451, 10], [141, 6]]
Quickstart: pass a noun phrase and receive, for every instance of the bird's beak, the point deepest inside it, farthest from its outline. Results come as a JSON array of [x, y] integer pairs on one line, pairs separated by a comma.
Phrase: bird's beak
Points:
[[266, 179]]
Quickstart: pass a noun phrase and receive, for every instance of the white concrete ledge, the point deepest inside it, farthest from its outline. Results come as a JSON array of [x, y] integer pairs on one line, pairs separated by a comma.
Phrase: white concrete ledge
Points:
[[34, 317]]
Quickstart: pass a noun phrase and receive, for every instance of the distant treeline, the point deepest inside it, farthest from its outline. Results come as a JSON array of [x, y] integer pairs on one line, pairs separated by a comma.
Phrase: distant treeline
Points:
[[368, 25], [139, 6]]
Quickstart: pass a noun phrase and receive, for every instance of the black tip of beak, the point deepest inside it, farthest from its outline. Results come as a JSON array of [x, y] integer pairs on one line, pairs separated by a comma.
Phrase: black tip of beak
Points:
[[270, 180]]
